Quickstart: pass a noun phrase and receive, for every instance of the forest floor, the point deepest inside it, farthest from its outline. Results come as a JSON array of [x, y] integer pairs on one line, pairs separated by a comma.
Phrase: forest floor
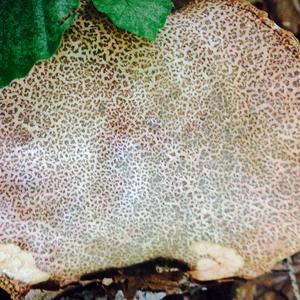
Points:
[[167, 280]]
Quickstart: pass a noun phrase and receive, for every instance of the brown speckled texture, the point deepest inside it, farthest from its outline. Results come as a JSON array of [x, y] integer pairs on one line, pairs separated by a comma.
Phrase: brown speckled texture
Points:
[[118, 150]]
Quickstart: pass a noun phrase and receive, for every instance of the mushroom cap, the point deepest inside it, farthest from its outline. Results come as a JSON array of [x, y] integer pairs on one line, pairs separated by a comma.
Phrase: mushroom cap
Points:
[[118, 150]]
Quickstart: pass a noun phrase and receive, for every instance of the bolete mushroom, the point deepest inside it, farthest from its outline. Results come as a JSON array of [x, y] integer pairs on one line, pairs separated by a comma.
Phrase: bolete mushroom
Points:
[[119, 150]]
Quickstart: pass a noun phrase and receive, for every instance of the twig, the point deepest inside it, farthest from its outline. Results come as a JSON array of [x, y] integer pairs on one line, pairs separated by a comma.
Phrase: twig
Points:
[[297, 5], [293, 278]]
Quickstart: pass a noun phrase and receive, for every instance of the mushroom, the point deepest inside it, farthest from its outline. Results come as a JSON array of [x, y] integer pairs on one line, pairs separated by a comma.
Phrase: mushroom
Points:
[[118, 150]]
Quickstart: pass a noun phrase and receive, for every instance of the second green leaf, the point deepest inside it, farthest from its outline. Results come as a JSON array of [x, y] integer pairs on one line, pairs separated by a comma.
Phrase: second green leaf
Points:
[[141, 17]]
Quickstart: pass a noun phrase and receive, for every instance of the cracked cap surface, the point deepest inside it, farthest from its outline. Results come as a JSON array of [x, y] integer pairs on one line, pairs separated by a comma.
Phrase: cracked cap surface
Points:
[[118, 150]]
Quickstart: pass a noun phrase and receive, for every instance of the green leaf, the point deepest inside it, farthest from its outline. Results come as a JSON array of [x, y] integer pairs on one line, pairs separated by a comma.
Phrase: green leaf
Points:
[[30, 30], [142, 17]]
